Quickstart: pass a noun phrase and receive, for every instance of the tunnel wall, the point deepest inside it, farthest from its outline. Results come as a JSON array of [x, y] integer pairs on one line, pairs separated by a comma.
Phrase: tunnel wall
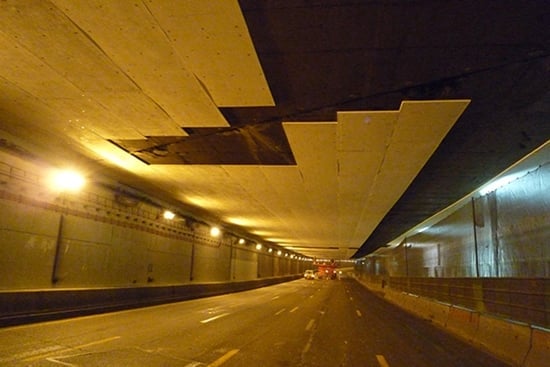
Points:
[[491, 255], [482, 272], [107, 238]]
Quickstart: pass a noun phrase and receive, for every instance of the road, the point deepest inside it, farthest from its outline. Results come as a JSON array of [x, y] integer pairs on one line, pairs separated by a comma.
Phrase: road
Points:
[[300, 323]]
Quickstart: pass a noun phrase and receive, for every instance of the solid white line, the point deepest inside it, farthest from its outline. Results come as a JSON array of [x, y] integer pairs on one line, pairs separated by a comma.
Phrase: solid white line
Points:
[[280, 312], [214, 318], [382, 361], [358, 313], [294, 309], [310, 324]]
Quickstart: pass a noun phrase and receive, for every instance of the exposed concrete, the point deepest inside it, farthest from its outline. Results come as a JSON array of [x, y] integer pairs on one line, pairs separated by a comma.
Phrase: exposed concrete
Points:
[[507, 340]]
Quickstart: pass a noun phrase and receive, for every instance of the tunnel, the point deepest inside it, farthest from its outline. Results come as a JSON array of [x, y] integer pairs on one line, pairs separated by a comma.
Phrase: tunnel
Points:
[[257, 182]]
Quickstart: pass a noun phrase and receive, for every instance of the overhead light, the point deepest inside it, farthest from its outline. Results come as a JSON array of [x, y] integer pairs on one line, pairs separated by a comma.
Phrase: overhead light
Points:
[[66, 180], [270, 250], [279, 252], [215, 232], [168, 215], [258, 246], [502, 181], [241, 241]]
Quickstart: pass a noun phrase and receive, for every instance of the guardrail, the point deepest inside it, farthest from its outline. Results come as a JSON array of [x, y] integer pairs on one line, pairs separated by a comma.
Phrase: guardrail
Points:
[[521, 299]]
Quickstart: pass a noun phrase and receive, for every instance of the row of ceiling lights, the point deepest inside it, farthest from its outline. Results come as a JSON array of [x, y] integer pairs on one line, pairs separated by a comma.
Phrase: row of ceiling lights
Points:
[[216, 232], [72, 181]]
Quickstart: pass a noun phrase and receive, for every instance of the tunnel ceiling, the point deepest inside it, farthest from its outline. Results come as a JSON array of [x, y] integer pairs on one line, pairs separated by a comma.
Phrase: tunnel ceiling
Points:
[[329, 127]]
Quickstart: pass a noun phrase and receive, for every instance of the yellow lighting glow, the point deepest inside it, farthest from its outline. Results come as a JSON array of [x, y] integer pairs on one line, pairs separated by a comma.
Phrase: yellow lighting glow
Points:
[[215, 232], [168, 215], [66, 180]]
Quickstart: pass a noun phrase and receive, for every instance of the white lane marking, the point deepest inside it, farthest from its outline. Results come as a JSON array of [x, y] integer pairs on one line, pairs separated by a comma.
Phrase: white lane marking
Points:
[[194, 364], [274, 297], [358, 313], [44, 355], [45, 351], [294, 309], [214, 318], [310, 324], [382, 361], [311, 296], [280, 312], [351, 298], [53, 360], [218, 362]]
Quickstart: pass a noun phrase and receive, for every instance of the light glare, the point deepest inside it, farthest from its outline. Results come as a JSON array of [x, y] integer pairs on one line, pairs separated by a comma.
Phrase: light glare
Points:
[[169, 215], [215, 231], [67, 180]]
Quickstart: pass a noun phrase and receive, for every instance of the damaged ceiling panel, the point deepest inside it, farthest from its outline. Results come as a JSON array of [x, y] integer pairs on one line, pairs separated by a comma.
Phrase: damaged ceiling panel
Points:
[[328, 127]]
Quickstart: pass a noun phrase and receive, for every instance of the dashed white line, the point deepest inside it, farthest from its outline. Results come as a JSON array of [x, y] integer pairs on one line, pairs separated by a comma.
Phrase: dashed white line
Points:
[[294, 309], [218, 362], [310, 324], [382, 361], [274, 298], [359, 314], [214, 318], [280, 312], [53, 360]]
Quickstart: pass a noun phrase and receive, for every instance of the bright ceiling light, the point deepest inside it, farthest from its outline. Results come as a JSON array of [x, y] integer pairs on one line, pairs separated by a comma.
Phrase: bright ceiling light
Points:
[[279, 252], [66, 180], [501, 182], [215, 232], [258, 246], [241, 241], [168, 215]]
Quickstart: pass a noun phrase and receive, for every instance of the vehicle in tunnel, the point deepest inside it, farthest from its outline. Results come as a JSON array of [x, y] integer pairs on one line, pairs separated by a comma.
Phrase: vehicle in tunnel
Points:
[[309, 274]]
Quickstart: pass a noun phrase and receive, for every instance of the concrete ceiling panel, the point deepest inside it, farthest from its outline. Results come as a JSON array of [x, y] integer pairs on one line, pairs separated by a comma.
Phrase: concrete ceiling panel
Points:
[[132, 38], [213, 42]]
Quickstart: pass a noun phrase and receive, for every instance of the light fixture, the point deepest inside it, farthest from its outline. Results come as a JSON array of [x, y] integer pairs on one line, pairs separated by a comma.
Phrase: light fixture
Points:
[[270, 250], [215, 232], [502, 181], [279, 252], [258, 246], [168, 215], [241, 241], [66, 180]]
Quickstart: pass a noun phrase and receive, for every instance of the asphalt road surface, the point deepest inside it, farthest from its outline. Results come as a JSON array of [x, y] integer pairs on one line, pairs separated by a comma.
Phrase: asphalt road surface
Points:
[[301, 323]]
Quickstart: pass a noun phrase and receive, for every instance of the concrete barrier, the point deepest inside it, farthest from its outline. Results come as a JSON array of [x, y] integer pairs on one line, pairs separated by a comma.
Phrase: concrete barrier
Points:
[[506, 340], [539, 354], [463, 323], [514, 343]]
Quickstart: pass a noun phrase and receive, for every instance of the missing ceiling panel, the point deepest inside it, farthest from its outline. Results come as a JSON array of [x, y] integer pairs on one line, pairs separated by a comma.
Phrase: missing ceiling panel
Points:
[[260, 144]]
